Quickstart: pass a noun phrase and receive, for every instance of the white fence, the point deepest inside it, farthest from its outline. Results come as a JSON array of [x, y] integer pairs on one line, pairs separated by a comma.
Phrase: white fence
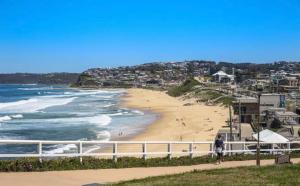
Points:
[[112, 148]]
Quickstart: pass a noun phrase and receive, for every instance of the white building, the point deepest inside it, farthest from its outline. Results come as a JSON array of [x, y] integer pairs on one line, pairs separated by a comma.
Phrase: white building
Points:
[[222, 77]]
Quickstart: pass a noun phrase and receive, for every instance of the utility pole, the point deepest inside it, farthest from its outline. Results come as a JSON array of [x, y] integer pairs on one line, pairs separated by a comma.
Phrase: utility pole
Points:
[[240, 129], [230, 125], [258, 131]]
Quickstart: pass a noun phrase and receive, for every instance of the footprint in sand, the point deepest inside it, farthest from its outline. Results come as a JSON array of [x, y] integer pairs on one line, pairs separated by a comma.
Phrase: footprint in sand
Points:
[[210, 129]]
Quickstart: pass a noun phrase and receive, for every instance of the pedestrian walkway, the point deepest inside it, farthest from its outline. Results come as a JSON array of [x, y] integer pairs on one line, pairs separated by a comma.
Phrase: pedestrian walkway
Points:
[[90, 177]]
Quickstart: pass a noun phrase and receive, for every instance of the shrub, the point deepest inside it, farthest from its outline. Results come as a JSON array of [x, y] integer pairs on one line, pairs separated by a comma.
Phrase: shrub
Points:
[[183, 88], [33, 164]]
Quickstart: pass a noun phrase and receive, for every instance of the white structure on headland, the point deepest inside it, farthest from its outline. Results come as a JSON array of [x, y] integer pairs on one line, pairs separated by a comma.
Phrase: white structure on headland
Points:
[[222, 77]]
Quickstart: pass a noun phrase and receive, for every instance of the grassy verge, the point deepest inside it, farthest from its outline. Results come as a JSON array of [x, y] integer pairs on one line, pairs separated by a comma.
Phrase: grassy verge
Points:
[[267, 175], [33, 164]]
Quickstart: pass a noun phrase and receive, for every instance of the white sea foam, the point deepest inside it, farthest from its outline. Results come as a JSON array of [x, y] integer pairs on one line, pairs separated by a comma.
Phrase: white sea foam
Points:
[[116, 114], [108, 105], [37, 88], [101, 120], [17, 103], [17, 116], [104, 134], [5, 118], [94, 93], [34, 104], [30, 84], [138, 112], [59, 149]]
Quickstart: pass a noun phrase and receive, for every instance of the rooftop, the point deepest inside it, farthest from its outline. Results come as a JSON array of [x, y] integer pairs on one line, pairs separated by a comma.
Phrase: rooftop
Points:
[[246, 100], [286, 113]]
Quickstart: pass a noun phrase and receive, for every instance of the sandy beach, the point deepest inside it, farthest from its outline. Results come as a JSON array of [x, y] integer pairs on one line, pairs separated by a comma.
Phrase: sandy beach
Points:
[[179, 120]]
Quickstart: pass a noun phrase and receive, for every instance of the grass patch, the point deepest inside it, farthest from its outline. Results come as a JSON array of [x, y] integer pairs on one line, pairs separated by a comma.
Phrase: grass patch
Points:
[[266, 175], [185, 87], [33, 164]]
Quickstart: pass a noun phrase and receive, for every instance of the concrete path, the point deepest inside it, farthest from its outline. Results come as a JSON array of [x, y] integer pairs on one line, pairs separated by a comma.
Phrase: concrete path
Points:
[[91, 177]]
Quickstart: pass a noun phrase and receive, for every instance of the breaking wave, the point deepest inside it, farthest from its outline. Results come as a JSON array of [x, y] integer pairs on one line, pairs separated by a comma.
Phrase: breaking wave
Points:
[[34, 104]]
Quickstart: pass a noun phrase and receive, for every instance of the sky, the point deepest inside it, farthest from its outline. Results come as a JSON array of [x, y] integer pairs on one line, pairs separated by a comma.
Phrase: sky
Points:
[[74, 35]]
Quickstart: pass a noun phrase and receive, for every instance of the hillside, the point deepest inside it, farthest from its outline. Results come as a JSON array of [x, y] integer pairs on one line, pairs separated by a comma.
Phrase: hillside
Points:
[[28, 78], [162, 75]]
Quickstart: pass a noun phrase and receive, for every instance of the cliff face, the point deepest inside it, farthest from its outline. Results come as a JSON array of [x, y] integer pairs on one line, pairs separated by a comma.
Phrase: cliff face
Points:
[[28, 78]]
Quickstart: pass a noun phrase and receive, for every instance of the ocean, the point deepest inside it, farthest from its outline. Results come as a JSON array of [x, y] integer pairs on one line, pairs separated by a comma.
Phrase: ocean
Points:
[[42, 112]]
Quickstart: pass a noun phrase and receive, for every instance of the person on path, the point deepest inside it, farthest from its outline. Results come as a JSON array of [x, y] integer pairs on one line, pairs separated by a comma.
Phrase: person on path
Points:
[[219, 147]]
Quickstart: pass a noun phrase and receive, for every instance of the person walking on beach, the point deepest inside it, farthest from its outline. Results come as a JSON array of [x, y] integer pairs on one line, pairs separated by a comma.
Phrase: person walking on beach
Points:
[[219, 147]]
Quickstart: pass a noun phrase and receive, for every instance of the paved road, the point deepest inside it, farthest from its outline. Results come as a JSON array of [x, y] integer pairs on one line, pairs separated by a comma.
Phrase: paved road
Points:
[[90, 177]]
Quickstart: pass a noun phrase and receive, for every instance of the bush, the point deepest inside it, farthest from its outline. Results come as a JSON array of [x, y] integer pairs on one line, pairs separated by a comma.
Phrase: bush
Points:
[[183, 88], [33, 164]]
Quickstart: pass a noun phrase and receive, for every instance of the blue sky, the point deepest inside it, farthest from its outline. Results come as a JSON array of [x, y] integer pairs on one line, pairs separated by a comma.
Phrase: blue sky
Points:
[[73, 35]]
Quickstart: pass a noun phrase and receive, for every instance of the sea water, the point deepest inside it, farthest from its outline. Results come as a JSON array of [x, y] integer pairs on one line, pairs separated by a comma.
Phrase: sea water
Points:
[[42, 112]]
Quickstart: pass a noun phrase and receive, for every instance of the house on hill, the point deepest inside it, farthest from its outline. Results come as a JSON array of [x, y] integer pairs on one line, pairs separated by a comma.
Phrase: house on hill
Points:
[[222, 77]]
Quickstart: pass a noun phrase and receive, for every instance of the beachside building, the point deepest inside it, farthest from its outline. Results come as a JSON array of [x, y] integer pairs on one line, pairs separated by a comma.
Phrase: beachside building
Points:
[[268, 101], [246, 107]]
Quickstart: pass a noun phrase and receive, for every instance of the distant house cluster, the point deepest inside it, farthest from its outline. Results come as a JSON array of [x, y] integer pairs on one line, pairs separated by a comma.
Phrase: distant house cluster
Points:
[[145, 75]]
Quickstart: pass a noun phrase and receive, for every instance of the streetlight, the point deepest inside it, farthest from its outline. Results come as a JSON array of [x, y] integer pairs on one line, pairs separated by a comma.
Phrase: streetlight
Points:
[[259, 90]]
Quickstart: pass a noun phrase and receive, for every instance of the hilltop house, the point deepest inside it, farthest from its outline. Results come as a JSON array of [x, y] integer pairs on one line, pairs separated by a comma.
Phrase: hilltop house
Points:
[[222, 77]]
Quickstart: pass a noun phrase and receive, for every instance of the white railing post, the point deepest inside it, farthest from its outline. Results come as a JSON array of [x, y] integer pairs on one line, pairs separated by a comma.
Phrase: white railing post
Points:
[[244, 147], [144, 150], [225, 147], [169, 150], [115, 151], [230, 148], [273, 148], [40, 151], [289, 147], [191, 150], [212, 149], [80, 151]]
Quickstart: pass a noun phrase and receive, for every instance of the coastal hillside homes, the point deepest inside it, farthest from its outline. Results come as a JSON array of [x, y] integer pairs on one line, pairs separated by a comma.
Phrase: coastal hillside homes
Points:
[[288, 84]]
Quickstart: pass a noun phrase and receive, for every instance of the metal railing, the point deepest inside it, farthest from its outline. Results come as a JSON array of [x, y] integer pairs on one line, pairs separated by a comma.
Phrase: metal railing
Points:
[[111, 148]]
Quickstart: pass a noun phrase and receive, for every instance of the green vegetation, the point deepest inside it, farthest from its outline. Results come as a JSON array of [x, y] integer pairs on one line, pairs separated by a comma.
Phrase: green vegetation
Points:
[[33, 164], [267, 175], [226, 101], [183, 88], [205, 95], [86, 80]]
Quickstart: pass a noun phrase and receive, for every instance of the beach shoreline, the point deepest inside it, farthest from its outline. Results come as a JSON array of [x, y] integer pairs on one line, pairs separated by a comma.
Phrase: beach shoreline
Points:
[[178, 120]]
